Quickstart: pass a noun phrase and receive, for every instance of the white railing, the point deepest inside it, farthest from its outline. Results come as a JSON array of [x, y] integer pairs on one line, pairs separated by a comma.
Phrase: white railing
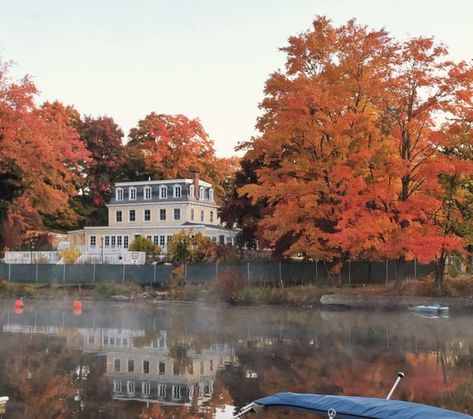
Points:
[[112, 256], [31, 257]]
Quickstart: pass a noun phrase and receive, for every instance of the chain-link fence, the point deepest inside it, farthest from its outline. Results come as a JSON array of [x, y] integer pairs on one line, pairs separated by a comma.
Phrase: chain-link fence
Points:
[[261, 273]]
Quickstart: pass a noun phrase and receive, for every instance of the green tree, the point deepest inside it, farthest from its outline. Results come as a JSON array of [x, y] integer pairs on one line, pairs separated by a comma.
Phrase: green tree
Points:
[[142, 244]]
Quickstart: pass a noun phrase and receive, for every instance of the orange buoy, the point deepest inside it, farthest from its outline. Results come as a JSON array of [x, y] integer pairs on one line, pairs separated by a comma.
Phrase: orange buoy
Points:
[[77, 308], [19, 304]]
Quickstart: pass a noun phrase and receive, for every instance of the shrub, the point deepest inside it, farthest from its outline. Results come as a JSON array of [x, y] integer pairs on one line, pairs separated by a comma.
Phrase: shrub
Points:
[[143, 244], [70, 255], [228, 284]]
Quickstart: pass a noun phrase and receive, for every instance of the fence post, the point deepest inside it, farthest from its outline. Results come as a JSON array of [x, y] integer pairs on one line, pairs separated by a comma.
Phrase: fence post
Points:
[[123, 274], [248, 271], [154, 274], [64, 273], [36, 273], [93, 276], [387, 273], [415, 268], [9, 271]]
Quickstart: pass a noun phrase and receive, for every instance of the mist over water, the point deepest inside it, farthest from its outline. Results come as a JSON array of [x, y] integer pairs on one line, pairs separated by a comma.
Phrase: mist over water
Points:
[[189, 360]]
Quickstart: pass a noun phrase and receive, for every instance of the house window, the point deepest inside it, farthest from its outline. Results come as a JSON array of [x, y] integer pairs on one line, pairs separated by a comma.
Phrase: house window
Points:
[[146, 388], [162, 214], [131, 365], [156, 240], [161, 391], [192, 214], [107, 241], [118, 216], [149, 238], [191, 192], [132, 216], [221, 239], [202, 215], [119, 241], [147, 215], [163, 192], [211, 216], [130, 387], [214, 239], [132, 193], [93, 241], [116, 365], [148, 192], [162, 241], [119, 194], [168, 239], [211, 194], [177, 191], [145, 366], [176, 392], [162, 368], [175, 369], [201, 192], [117, 386], [114, 241], [125, 242], [177, 213], [136, 236]]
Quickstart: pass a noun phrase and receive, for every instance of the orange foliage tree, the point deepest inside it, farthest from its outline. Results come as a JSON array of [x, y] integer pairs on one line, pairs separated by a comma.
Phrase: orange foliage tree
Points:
[[40, 155], [353, 141]]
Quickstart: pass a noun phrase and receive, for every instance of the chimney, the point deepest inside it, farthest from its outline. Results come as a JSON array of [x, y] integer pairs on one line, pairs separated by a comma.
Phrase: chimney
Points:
[[196, 185]]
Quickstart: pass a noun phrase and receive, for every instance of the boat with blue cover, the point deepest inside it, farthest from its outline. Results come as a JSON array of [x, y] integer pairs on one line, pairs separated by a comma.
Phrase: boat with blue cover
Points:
[[350, 407], [433, 309]]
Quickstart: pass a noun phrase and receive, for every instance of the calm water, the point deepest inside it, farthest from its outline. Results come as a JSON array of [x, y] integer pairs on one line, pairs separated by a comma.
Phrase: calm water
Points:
[[196, 361]]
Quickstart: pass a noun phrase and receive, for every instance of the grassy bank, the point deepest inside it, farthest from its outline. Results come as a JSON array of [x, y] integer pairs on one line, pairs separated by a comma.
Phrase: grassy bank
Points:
[[235, 292]]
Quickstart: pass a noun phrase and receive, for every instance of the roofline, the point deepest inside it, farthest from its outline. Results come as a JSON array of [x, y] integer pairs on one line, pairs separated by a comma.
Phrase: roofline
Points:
[[152, 227], [128, 203], [157, 182]]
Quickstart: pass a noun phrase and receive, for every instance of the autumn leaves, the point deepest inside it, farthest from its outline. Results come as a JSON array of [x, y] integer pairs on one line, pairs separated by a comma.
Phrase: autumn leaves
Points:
[[365, 147]]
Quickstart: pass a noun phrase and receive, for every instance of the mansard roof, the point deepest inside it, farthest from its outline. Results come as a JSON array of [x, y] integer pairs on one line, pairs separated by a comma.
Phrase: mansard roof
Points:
[[155, 186]]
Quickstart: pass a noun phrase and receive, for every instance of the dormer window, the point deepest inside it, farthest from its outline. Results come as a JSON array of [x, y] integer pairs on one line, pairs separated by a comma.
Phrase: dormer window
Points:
[[211, 194], [163, 192], [201, 192], [177, 191], [148, 192], [191, 192], [132, 193], [119, 194]]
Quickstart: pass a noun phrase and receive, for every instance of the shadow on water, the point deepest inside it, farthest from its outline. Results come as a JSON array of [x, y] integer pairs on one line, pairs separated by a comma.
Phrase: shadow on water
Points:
[[184, 361]]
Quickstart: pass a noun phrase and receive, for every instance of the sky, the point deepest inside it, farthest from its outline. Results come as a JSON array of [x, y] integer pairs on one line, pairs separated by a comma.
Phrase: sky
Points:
[[206, 59]]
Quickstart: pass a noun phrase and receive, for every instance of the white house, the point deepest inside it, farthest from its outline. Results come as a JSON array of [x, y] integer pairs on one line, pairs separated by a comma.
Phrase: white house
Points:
[[156, 210]]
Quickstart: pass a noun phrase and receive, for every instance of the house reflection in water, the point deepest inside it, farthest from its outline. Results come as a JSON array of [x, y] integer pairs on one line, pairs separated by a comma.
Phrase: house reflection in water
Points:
[[142, 369]]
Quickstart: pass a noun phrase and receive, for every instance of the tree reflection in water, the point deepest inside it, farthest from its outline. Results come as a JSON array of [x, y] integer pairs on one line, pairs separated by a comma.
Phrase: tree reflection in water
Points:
[[179, 361]]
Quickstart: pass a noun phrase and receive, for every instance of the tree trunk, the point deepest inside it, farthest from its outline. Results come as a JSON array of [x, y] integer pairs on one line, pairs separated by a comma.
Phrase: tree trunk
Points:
[[440, 271], [400, 271], [469, 259]]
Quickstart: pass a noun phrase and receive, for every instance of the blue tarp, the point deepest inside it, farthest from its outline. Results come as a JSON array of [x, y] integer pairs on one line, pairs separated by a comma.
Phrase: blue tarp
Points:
[[349, 407]]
